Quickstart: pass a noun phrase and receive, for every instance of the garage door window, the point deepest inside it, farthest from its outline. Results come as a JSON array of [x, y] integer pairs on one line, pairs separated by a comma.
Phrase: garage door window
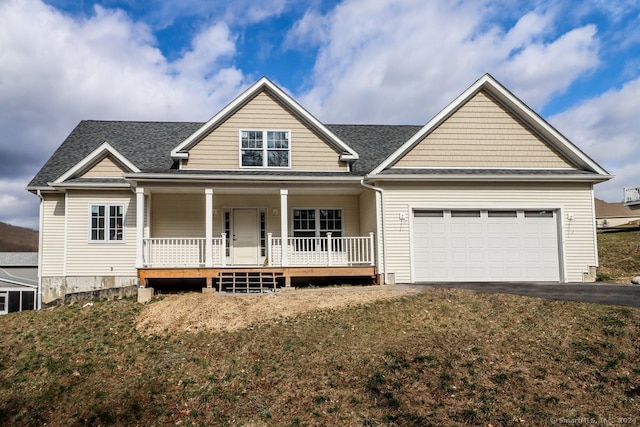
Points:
[[429, 214], [465, 214], [502, 214], [538, 214]]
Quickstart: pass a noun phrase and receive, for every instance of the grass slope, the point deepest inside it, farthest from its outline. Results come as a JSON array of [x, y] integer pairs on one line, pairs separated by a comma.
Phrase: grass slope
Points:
[[619, 253], [440, 358]]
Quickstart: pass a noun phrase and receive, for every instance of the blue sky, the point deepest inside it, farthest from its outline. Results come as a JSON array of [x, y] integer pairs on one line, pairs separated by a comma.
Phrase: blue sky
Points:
[[352, 61]]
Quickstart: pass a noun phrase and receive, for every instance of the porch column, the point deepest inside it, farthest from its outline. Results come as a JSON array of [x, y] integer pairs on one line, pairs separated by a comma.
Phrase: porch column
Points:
[[140, 227], [284, 227], [208, 251]]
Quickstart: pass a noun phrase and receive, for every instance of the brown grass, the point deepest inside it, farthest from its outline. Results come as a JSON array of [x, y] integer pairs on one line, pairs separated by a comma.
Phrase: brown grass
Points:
[[619, 253], [17, 239], [444, 357]]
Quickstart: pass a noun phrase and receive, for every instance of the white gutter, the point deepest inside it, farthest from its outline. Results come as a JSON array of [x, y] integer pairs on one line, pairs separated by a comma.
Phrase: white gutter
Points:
[[231, 178], [493, 178], [40, 233], [381, 235]]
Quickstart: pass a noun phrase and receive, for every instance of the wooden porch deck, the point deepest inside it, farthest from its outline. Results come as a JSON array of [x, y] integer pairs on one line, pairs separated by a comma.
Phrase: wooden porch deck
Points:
[[212, 274]]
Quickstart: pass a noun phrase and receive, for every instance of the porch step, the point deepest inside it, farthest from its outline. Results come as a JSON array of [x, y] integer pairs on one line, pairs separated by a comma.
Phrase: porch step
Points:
[[248, 281]]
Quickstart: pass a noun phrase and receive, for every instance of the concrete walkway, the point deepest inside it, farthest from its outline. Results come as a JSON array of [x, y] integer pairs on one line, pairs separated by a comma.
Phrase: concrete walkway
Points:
[[599, 293]]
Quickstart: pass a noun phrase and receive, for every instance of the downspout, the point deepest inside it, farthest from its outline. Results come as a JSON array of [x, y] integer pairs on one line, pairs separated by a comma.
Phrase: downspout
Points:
[[40, 247], [382, 227]]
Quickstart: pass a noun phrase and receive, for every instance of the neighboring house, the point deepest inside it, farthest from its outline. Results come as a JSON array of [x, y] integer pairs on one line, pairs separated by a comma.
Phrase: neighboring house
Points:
[[485, 191], [18, 281], [614, 214]]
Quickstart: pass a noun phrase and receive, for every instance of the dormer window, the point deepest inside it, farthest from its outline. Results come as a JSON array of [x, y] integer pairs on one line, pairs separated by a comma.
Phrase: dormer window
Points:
[[265, 149]]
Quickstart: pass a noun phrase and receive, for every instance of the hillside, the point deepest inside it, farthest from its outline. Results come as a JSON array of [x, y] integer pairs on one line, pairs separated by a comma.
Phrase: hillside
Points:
[[17, 239], [442, 357]]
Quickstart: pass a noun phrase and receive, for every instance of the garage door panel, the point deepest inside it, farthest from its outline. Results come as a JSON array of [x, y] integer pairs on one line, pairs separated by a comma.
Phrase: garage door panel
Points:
[[476, 243], [504, 246]]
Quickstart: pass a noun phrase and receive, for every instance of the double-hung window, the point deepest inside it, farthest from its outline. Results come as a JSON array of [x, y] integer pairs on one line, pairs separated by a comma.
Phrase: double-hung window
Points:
[[316, 223], [107, 223], [265, 148]]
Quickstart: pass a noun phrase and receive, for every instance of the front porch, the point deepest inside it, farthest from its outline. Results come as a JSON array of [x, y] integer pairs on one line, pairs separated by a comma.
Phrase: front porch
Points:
[[267, 236], [257, 278], [326, 251]]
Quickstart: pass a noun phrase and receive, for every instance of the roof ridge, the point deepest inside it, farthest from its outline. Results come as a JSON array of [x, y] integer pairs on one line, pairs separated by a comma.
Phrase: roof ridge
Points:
[[142, 121]]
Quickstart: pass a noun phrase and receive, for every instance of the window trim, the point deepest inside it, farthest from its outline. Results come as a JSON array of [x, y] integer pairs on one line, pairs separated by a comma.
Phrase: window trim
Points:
[[107, 220], [265, 149]]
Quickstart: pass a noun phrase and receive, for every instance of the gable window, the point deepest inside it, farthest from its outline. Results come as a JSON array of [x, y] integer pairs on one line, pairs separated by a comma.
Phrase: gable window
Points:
[[107, 223], [265, 148]]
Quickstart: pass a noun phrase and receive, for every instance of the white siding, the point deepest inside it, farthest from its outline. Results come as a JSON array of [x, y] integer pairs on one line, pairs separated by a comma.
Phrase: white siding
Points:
[[367, 212], [53, 235], [86, 258], [577, 238], [177, 215], [369, 221]]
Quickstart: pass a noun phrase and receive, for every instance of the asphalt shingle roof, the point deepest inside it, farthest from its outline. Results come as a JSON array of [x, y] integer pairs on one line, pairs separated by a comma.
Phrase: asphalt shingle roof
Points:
[[148, 146], [18, 259]]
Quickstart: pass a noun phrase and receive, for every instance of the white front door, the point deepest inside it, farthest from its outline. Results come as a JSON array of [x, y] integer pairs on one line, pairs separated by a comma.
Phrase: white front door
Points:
[[246, 243]]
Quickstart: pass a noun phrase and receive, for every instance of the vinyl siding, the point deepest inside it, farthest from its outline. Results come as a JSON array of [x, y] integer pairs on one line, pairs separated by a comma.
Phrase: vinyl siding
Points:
[[220, 149], [105, 168], [578, 237], [482, 133], [86, 258], [177, 215], [53, 235], [367, 202], [368, 222]]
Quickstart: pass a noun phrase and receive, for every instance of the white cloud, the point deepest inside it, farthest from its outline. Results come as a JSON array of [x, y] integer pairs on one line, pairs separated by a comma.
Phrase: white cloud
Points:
[[542, 70], [208, 48], [390, 62], [607, 128], [56, 70]]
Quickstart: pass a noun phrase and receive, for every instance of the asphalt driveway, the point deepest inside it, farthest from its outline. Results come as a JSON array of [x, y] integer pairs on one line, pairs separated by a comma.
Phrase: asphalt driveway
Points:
[[599, 293]]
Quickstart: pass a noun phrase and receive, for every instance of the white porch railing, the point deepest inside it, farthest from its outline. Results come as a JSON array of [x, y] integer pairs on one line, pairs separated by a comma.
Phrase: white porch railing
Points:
[[322, 251], [302, 251], [185, 252], [631, 196]]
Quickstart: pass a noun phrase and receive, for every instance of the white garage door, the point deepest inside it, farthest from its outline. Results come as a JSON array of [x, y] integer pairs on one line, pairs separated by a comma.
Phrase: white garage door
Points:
[[493, 245]]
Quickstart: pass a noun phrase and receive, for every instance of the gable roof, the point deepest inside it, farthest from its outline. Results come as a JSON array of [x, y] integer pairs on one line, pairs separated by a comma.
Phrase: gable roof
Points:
[[262, 85], [145, 144], [614, 210], [146, 148], [513, 104], [93, 157]]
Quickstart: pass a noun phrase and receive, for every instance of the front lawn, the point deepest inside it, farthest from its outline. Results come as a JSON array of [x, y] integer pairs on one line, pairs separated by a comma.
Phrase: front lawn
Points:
[[445, 357]]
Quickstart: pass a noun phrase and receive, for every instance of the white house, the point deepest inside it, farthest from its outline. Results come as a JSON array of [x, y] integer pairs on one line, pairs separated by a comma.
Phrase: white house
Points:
[[264, 192]]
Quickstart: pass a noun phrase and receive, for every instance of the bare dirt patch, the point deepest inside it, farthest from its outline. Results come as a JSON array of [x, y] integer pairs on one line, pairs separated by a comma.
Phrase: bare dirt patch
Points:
[[195, 312]]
